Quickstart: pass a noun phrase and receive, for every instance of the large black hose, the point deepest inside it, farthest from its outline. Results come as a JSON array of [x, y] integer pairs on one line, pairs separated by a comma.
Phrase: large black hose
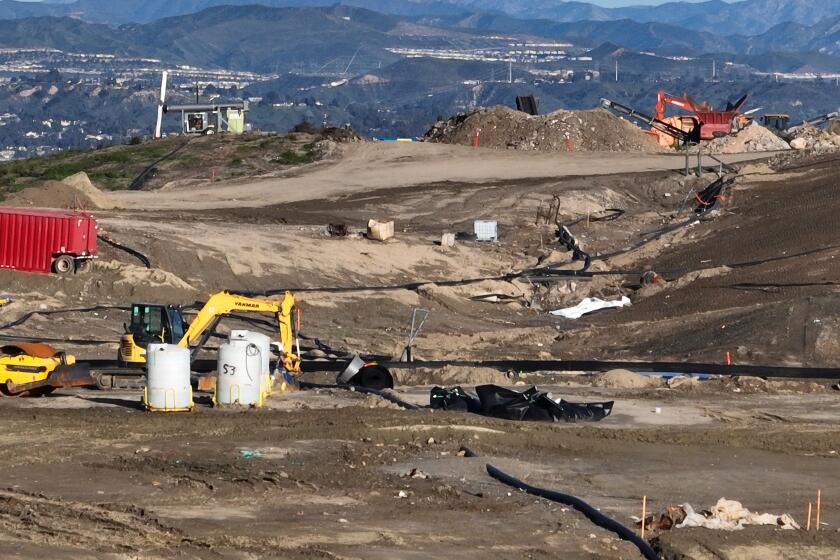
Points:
[[590, 512], [134, 252], [141, 179], [531, 273], [24, 318], [76, 341], [366, 390]]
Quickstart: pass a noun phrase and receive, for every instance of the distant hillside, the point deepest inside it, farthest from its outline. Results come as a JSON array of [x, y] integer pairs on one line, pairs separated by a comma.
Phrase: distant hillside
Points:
[[747, 17], [824, 37], [353, 40], [67, 34], [253, 38], [627, 33]]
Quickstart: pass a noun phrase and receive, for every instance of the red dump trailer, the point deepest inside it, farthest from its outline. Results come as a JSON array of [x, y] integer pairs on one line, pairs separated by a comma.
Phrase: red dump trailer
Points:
[[47, 240]]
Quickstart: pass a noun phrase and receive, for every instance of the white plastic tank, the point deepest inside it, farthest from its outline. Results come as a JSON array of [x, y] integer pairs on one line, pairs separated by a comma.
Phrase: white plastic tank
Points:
[[263, 342], [168, 386], [239, 377]]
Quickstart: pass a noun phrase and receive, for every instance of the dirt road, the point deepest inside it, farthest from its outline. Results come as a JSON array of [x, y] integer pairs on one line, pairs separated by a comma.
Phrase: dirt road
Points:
[[384, 165]]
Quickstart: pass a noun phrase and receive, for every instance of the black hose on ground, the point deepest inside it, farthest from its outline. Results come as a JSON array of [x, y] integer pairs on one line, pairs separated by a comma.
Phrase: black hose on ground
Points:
[[531, 273], [590, 512], [144, 176], [387, 396], [24, 318], [140, 256], [76, 341]]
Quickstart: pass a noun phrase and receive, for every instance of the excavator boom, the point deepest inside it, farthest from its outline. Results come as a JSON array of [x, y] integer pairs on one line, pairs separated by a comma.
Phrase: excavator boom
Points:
[[225, 303], [162, 323]]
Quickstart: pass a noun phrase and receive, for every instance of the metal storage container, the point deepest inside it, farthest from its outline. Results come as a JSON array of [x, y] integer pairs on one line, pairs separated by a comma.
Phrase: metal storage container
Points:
[[168, 386], [239, 379], [43, 240]]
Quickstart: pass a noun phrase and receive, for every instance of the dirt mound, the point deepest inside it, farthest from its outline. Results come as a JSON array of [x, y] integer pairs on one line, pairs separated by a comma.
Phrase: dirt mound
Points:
[[503, 128], [52, 194], [753, 138], [626, 379], [83, 184], [819, 140], [450, 375], [73, 193]]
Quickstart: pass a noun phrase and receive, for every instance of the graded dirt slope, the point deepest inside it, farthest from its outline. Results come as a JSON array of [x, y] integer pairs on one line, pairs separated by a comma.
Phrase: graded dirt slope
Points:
[[368, 166]]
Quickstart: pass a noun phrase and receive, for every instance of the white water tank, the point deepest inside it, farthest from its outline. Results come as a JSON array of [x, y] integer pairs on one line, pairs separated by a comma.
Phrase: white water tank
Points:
[[168, 386], [239, 377], [263, 342]]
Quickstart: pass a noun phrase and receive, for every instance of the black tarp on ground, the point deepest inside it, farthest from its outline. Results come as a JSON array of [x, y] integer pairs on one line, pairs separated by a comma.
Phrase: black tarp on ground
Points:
[[531, 404]]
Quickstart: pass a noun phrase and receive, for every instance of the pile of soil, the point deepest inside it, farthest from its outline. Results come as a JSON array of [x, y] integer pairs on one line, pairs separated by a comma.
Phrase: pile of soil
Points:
[[753, 138], [73, 193], [626, 379], [817, 139], [450, 375], [82, 183], [503, 128]]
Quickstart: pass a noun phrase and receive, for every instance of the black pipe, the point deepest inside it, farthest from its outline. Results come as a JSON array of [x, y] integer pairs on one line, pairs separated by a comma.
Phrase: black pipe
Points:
[[141, 179], [140, 256], [590, 512], [531, 366], [358, 389], [24, 318]]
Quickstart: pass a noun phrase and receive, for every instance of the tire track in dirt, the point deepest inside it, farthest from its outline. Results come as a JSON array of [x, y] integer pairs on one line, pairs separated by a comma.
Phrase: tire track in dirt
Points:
[[101, 527]]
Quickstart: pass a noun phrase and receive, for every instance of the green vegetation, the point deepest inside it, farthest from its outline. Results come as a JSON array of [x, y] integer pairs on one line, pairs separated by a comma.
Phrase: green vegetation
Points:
[[115, 167], [111, 168], [308, 154]]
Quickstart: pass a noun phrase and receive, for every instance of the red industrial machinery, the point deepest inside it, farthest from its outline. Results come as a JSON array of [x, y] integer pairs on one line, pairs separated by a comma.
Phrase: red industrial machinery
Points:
[[47, 240], [712, 123]]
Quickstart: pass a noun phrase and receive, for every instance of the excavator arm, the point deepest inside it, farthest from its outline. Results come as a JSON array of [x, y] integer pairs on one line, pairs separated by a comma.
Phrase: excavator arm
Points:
[[225, 303], [662, 98]]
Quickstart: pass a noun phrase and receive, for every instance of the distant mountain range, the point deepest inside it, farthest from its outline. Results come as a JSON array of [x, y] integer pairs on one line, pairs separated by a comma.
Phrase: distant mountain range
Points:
[[270, 40], [251, 38], [746, 17]]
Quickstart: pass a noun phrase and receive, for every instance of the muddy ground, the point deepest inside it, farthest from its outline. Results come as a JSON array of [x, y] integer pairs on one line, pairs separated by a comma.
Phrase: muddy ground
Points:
[[90, 475]]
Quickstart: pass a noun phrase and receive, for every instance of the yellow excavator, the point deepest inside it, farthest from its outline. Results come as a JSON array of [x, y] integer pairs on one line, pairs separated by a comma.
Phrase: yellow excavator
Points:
[[32, 369], [157, 323]]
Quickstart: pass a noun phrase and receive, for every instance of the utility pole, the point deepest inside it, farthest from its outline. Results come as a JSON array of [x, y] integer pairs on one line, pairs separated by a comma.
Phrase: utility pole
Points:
[[197, 101], [510, 72], [714, 70], [616, 70]]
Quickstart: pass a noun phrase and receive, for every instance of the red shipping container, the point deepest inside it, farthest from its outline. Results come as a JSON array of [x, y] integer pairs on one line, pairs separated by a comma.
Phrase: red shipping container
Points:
[[46, 240]]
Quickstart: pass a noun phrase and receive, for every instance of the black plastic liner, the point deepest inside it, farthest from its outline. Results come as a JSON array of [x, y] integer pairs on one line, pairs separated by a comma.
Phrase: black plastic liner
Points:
[[530, 405]]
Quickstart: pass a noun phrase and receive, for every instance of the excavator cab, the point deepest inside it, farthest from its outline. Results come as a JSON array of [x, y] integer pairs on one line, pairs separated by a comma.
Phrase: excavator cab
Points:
[[778, 123], [151, 323]]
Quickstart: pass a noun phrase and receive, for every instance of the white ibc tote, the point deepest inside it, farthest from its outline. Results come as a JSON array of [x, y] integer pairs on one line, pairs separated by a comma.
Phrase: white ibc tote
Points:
[[239, 378], [263, 342], [168, 386]]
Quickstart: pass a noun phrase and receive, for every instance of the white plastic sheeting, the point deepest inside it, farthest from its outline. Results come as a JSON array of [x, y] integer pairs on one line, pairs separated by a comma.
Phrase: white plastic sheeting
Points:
[[589, 305]]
